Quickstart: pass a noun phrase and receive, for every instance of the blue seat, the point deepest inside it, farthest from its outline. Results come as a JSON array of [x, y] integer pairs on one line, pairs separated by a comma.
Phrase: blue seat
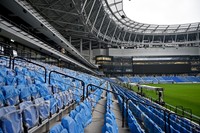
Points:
[[11, 122], [53, 105], [73, 113], [43, 108], [2, 81], [79, 119], [133, 124], [2, 99], [34, 91], [7, 109], [10, 78], [59, 100], [87, 113], [56, 128], [21, 80], [44, 89], [64, 131], [1, 131], [64, 98], [30, 114], [25, 94], [108, 128], [11, 95], [69, 123]]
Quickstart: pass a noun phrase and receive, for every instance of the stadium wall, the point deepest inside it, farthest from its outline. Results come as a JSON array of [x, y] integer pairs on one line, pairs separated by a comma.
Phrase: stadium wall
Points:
[[181, 51]]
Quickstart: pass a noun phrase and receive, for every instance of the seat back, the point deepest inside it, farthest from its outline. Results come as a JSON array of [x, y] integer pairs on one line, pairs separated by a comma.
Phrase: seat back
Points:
[[12, 122]]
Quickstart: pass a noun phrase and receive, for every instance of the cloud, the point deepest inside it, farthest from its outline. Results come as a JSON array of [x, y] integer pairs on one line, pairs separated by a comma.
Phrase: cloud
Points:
[[163, 11]]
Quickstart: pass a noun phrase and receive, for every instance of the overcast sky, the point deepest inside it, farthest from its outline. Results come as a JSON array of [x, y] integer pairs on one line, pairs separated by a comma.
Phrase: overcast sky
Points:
[[163, 11]]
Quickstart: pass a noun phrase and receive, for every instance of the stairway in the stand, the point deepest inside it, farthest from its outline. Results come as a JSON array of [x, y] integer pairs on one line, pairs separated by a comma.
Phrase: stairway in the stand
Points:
[[97, 117], [118, 116]]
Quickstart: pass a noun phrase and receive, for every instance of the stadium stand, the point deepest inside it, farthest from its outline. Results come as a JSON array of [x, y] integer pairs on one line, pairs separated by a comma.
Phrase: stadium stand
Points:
[[29, 102], [49, 82], [160, 79]]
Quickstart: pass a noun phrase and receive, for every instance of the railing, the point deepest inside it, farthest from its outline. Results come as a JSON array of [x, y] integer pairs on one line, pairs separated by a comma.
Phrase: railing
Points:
[[82, 82], [191, 117], [133, 100], [168, 113], [13, 65]]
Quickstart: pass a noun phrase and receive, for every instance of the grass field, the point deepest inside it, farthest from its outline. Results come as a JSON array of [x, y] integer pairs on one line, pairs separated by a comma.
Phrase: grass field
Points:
[[186, 95]]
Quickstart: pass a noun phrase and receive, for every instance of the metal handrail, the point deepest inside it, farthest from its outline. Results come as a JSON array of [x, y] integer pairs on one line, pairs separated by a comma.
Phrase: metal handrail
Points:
[[82, 82], [45, 70]]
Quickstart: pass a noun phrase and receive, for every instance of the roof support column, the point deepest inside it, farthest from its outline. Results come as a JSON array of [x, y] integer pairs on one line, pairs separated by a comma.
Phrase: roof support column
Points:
[[101, 25], [106, 30], [135, 38], [113, 33], [90, 51], [70, 39], [90, 11], [81, 46], [96, 17], [83, 6]]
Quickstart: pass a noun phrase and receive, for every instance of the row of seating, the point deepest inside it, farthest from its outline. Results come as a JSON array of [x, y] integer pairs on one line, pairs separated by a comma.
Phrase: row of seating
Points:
[[80, 117], [153, 115], [110, 124], [26, 100]]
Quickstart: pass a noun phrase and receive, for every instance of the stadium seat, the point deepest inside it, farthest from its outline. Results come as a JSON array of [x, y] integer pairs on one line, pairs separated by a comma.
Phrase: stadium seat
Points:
[[25, 94], [11, 122], [58, 128], [68, 123], [2, 100], [43, 108], [30, 114], [11, 95]]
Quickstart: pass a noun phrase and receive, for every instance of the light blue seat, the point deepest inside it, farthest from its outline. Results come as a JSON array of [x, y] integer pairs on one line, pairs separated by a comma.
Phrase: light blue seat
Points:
[[11, 122], [77, 95], [30, 114], [69, 123], [87, 113], [21, 80], [64, 98], [2, 99], [11, 95], [43, 108], [108, 128], [56, 128], [44, 89], [10, 78], [34, 91], [7, 109], [59, 100], [73, 113], [64, 131], [53, 105], [79, 119], [25, 94], [2, 81]]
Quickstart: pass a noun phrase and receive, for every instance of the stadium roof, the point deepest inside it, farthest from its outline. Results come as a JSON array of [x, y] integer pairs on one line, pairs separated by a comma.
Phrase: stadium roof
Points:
[[115, 9], [105, 24]]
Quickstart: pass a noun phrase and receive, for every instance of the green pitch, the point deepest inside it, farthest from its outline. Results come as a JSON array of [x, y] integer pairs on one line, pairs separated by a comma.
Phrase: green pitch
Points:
[[186, 95]]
